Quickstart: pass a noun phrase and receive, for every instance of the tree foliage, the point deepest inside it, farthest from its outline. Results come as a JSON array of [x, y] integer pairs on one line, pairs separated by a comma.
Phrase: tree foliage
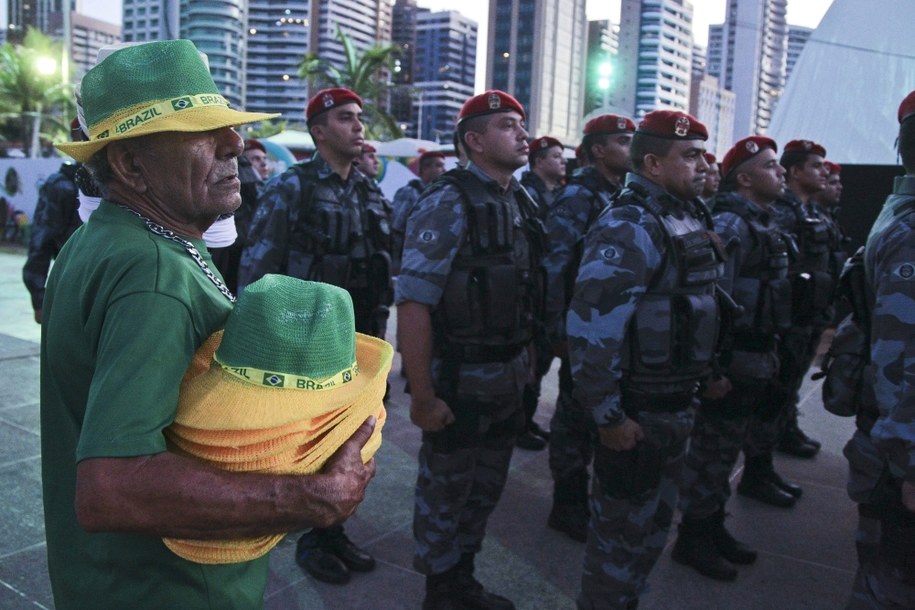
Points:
[[32, 98], [366, 74]]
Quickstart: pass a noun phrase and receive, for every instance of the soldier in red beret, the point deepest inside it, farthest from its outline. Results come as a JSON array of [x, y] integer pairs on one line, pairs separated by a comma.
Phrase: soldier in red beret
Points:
[[813, 286], [368, 162], [712, 178], [466, 307], [325, 220], [431, 165], [605, 147], [756, 276], [637, 356]]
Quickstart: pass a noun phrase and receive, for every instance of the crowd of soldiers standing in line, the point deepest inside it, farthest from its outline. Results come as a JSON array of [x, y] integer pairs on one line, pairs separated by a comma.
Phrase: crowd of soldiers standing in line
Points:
[[684, 313]]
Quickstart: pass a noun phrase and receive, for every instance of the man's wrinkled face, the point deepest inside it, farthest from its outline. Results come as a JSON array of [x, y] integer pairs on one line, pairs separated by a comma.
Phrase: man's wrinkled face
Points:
[[193, 175]]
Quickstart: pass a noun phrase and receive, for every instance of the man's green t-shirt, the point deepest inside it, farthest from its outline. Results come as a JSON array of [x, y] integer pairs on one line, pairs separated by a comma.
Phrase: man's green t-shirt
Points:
[[124, 312]]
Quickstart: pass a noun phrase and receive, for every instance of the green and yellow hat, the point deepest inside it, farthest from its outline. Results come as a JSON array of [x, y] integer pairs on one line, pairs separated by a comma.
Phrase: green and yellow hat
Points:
[[150, 88]]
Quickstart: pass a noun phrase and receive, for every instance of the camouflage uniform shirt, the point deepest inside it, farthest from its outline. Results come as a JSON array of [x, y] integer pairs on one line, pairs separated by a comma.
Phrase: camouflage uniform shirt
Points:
[[56, 218], [890, 264], [436, 231]]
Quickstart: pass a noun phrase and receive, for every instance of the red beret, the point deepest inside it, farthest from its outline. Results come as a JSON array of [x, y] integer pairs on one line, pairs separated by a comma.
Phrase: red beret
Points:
[[805, 146], [367, 148], [490, 102], [710, 158], [745, 150], [326, 99], [543, 143], [430, 154], [672, 124], [255, 144], [832, 168], [907, 107], [608, 123]]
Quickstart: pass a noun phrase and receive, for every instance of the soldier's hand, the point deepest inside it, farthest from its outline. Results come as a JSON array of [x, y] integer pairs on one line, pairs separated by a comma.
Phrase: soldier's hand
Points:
[[908, 495], [717, 389], [430, 415], [621, 437], [349, 476], [38, 316]]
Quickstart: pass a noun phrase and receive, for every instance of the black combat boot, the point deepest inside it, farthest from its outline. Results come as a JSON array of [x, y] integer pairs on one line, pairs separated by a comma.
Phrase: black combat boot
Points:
[[730, 548], [695, 547], [570, 512], [335, 541], [457, 589], [758, 483], [318, 562]]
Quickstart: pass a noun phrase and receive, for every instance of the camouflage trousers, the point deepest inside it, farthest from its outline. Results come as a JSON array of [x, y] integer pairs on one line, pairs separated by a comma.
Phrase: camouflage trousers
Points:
[[877, 586], [720, 432], [572, 432], [633, 497], [462, 472], [796, 351]]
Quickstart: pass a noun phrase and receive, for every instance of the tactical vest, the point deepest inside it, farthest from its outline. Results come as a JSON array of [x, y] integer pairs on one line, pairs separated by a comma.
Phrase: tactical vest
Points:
[[813, 284], [494, 294], [336, 243], [762, 288], [673, 335], [591, 181]]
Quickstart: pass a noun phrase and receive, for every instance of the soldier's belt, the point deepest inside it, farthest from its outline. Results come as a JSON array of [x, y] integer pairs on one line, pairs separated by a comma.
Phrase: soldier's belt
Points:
[[657, 403], [479, 354]]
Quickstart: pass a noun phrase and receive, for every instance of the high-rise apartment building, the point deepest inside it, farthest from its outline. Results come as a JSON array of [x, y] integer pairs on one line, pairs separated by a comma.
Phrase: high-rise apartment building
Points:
[[45, 16], [365, 22], [217, 28], [536, 52], [753, 47], [87, 37], [446, 42], [278, 37], [655, 55], [797, 38], [403, 36]]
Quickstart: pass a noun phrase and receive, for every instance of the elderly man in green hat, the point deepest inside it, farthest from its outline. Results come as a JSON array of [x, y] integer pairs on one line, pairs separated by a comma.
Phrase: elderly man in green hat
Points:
[[132, 296]]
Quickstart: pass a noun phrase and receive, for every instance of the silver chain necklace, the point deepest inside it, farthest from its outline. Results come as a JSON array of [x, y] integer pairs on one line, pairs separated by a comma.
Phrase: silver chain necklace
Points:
[[158, 229]]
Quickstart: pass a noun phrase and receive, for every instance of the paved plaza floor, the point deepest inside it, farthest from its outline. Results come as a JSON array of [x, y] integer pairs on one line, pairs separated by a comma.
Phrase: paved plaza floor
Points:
[[807, 554]]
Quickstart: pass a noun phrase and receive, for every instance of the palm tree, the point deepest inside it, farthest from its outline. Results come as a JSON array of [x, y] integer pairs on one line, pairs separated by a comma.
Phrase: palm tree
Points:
[[34, 101], [366, 74]]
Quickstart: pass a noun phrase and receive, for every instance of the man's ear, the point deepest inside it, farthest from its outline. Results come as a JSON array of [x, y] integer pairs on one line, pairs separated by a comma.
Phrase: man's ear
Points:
[[651, 164], [472, 141], [126, 166]]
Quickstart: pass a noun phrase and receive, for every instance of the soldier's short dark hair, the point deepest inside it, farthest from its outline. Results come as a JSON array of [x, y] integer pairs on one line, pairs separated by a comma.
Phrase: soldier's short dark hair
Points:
[[590, 140], [646, 144], [318, 119], [476, 124], [793, 158], [907, 145]]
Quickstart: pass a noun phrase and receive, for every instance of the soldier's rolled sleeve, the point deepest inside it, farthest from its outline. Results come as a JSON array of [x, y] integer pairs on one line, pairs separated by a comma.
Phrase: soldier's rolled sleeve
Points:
[[619, 260], [566, 222], [268, 235], [893, 347], [435, 231]]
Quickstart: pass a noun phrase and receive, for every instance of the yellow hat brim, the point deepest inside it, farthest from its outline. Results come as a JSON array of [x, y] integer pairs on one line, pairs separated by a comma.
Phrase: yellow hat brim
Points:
[[192, 120]]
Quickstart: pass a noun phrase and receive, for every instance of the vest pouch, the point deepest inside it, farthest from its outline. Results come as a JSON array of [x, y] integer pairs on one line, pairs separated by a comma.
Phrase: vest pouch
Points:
[[747, 292], [815, 238], [823, 290], [300, 264], [336, 224], [500, 292], [334, 269], [379, 229], [777, 311], [697, 320], [700, 262], [460, 303], [652, 333]]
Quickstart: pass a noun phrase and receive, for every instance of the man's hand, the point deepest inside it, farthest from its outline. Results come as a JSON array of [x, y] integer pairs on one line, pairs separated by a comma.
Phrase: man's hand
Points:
[[717, 389], [38, 316], [621, 437], [349, 476], [908, 495], [430, 415]]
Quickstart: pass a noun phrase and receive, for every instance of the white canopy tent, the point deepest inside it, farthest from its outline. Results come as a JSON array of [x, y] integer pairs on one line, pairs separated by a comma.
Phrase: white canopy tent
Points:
[[847, 84]]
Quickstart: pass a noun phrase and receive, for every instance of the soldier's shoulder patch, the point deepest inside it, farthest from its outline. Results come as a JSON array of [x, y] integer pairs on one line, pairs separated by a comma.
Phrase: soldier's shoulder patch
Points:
[[427, 236], [610, 254], [905, 271]]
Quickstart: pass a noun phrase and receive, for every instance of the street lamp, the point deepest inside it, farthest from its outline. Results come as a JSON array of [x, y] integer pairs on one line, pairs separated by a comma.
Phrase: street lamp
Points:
[[604, 72], [44, 66]]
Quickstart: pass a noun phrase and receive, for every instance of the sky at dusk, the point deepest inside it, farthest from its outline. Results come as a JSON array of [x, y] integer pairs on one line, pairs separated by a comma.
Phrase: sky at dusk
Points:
[[705, 12]]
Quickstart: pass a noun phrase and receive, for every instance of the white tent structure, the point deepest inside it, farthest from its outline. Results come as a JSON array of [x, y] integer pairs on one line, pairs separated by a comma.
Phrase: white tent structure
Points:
[[845, 89]]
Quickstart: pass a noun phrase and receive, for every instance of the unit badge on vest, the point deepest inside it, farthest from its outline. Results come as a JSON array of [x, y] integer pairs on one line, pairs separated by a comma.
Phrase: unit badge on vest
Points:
[[681, 127]]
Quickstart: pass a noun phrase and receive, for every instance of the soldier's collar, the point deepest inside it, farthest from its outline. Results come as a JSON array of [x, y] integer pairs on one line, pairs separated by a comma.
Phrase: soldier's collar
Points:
[[904, 185]]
